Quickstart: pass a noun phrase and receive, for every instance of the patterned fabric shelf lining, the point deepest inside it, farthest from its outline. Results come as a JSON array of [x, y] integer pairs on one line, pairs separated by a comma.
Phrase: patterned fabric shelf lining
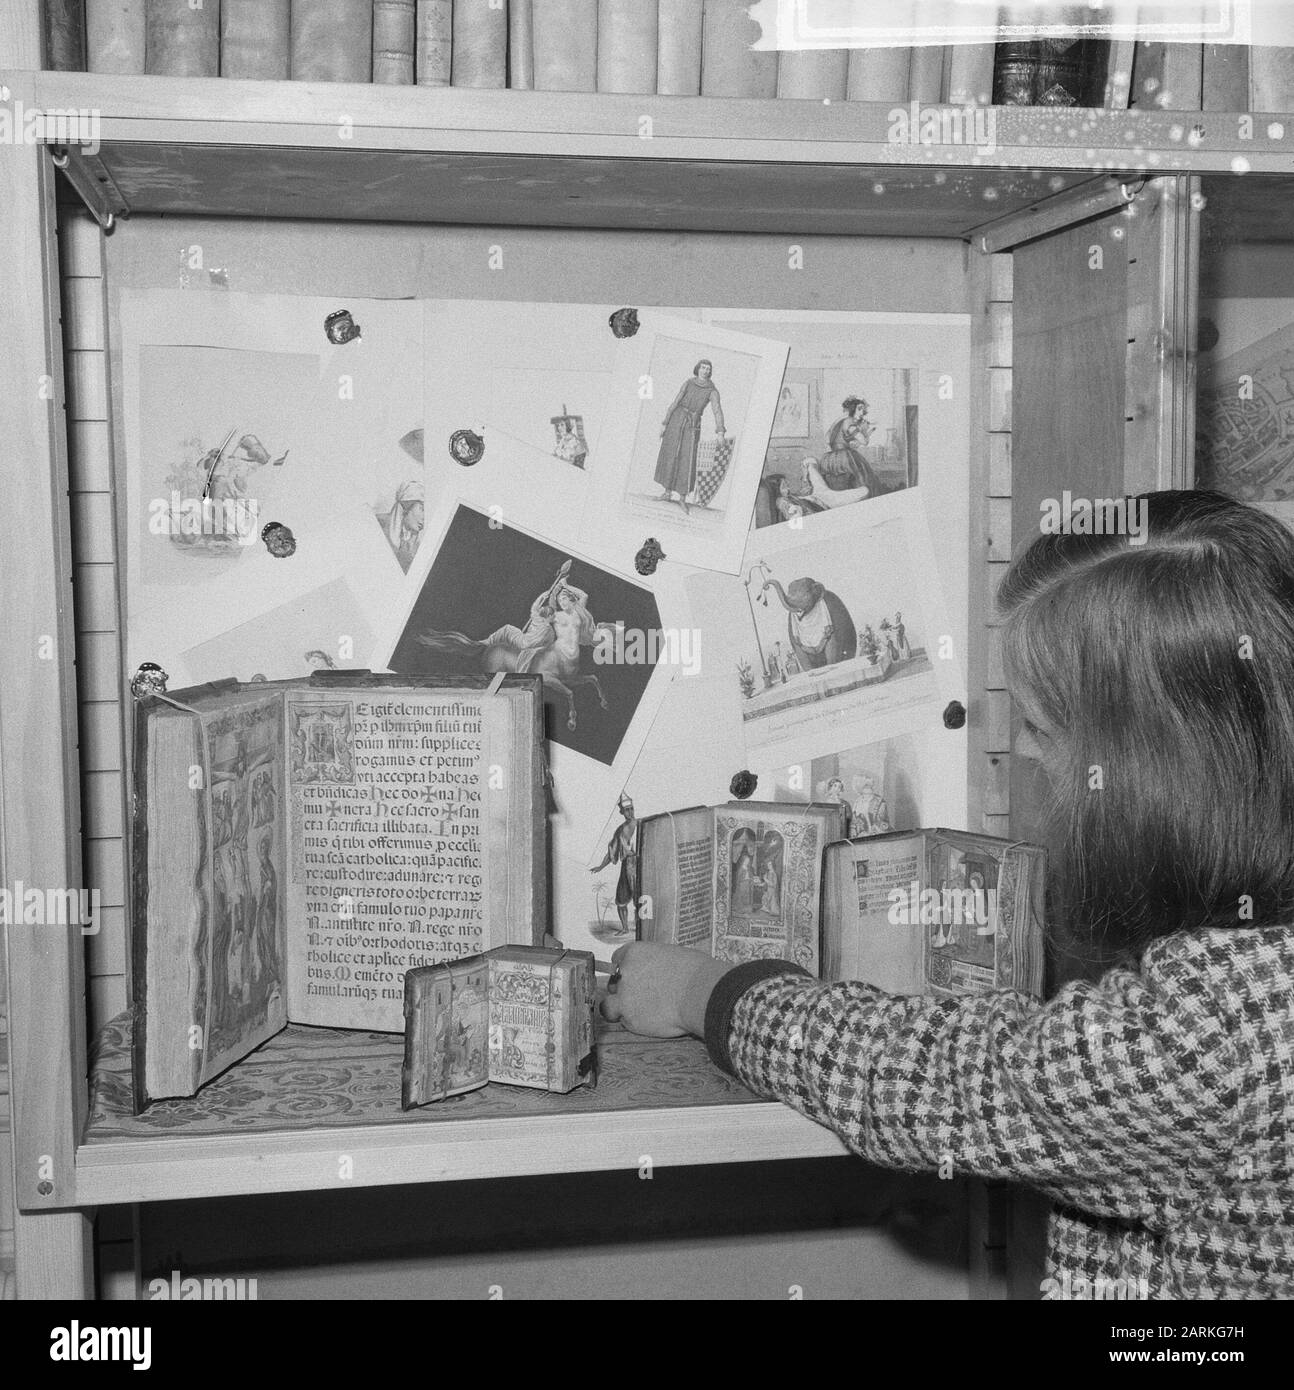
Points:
[[309, 1078]]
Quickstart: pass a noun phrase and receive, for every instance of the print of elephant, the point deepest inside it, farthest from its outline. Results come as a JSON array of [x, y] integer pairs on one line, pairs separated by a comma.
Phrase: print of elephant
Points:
[[818, 623]]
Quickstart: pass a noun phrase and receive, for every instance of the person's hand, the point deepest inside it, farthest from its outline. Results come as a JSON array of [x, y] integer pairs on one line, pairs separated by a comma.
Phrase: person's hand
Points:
[[661, 991]]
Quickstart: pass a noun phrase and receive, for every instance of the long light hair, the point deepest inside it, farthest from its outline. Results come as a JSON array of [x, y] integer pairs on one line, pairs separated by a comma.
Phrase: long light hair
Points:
[[1167, 670]]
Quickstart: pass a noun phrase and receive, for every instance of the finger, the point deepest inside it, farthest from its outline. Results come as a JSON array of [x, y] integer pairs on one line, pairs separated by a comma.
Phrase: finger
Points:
[[609, 1007]]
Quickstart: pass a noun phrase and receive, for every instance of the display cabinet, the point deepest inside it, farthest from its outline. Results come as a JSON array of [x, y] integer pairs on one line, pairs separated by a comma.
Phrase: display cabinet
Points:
[[1072, 242]]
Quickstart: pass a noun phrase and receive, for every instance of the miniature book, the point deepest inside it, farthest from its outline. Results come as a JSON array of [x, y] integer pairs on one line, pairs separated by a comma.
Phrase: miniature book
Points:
[[943, 912], [299, 845], [742, 881], [522, 1015]]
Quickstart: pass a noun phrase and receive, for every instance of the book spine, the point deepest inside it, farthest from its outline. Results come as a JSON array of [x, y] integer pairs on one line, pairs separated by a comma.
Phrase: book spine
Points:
[[1271, 79], [566, 45], [878, 74], [435, 42], [970, 74], [1225, 77], [480, 37], [729, 65], [332, 40], [254, 38], [394, 27], [628, 45], [1118, 78], [521, 45], [926, 76], [1167, 77], [182, 40], [114, 36], [65, 35], [813, 74], [678, 66]]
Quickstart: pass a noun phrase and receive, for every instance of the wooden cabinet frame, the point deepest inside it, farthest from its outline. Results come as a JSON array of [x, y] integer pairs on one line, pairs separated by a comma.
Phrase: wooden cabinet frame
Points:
[[678, 163]]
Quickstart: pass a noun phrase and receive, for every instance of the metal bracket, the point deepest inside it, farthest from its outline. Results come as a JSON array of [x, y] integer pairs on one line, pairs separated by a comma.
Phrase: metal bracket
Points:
[[94, 184], [1091, 199]]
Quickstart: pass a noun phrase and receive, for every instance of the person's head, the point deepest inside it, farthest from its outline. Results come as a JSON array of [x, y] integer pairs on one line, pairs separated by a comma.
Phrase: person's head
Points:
[[704, 369], [835, 787], [626, 806], [854, 406], [1156, 682]]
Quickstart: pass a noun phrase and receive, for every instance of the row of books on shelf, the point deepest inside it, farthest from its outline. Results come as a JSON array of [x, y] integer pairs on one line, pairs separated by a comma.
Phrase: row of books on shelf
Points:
[[291, 864], [670, 47]]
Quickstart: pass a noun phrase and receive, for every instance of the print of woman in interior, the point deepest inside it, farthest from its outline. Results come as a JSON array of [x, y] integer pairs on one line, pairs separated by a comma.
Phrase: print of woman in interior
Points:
[[844, 465]]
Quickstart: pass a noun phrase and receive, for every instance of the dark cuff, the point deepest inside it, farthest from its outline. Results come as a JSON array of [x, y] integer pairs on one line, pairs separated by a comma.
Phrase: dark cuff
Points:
[[724, 997]]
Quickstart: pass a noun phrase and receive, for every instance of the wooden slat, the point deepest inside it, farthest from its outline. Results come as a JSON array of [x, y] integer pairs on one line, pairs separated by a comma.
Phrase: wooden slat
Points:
[[977, 291], [999, 394], [996, 773], [999, 465], [993, 574], [1162, 279], [1000, 341], [101, 741], [90, 455], [995, 678], [80, 252], [39, 802], [98, 672], [998, 539], [102, 809], [96, 596], [1000, 278], [87, 386], [108, 945], [997, 721], [93, 538], [84, 313]]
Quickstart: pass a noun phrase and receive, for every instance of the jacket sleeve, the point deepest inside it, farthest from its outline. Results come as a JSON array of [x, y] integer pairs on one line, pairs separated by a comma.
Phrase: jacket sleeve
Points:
[[1093, 1097]]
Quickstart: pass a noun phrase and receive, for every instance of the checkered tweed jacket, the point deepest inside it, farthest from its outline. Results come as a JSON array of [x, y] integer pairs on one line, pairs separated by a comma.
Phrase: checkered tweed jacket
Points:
[[1155, 1107]]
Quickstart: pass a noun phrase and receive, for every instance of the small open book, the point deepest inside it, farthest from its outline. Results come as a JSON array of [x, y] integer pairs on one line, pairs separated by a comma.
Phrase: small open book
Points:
[[522, 1015], [742, 881], [944, 912]]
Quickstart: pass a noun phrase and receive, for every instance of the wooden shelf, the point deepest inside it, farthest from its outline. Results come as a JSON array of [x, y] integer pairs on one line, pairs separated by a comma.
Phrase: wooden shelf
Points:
[[285, 1117], [290, 149], [171, 1167]]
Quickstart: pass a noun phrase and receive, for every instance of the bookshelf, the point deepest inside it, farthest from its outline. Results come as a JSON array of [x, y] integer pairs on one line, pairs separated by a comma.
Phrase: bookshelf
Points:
[[301, 152]]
